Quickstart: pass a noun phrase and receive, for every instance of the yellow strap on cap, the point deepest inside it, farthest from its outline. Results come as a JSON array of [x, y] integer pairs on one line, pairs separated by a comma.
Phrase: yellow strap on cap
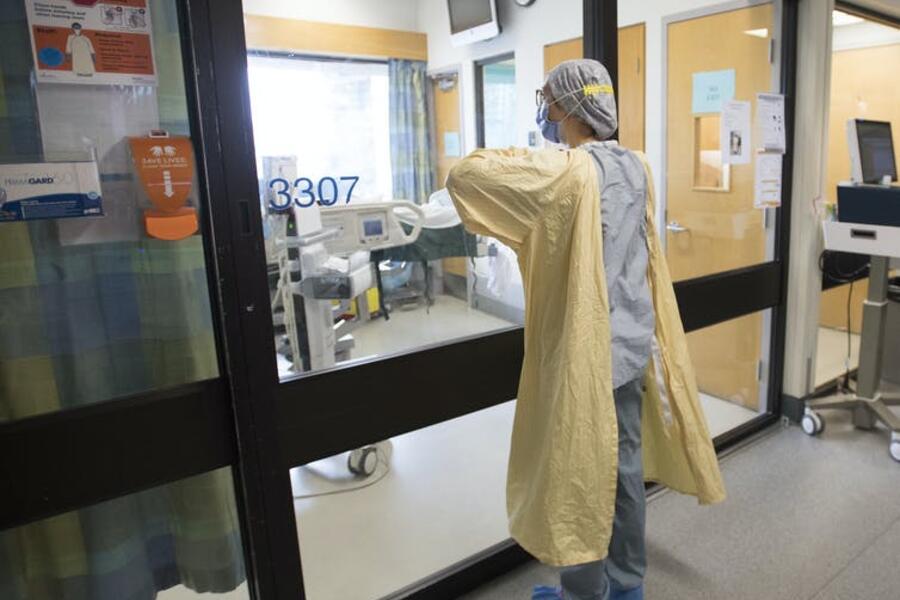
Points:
[[597, 88]]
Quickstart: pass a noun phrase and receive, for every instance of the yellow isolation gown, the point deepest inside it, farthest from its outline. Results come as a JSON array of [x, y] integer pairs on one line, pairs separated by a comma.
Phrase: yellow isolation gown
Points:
[[561, 482]]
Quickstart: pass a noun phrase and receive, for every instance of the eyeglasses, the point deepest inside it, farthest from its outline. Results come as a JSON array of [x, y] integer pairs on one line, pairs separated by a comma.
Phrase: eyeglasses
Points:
[[539, 97]]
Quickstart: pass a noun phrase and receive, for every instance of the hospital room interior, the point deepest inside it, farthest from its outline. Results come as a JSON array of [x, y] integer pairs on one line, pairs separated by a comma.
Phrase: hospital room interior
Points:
[[346, 291]]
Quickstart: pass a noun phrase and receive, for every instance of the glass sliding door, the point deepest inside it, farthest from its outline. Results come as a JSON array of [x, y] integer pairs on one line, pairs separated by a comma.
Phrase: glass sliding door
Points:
[[723, 248], [382, 342], [396, 333], [115, 427], [97, 305]]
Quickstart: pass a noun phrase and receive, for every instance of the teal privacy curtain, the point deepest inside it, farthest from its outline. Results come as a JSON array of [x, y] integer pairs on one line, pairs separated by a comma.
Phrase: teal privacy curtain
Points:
[[411, 160], [94, 320]]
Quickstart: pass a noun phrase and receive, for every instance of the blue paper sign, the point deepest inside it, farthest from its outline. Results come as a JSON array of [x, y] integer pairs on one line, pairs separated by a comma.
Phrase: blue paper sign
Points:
[[452, 144], [711, 90]]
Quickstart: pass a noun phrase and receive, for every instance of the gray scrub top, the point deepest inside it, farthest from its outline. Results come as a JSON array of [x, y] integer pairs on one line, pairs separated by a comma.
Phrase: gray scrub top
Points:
[[623, 193]]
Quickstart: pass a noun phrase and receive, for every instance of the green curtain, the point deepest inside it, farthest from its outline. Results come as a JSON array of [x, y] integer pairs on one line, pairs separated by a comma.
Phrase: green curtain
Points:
[[91, 322], [412, 165]]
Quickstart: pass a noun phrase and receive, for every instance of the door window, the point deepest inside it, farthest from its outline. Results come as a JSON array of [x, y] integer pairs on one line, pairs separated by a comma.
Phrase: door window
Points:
[[103, 284], [388, 97], [354, 136], [498, 102]]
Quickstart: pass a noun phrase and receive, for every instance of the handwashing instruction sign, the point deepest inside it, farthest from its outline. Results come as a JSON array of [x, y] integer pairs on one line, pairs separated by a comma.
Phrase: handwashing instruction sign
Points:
[[49, 191], [96, 42]]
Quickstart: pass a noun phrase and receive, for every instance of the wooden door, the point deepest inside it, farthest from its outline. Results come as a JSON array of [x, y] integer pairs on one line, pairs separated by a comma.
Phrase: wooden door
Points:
[[716, 230], [631, 103], [631, 92], [445, 92], [445, 95]]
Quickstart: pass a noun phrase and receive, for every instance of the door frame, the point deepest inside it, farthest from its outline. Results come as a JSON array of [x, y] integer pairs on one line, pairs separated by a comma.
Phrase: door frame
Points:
[[783, 61], [455, 70], [480, 64]]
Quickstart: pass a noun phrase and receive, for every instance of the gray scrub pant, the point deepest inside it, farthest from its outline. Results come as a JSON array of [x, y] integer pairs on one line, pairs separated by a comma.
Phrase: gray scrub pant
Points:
[[626, 564]]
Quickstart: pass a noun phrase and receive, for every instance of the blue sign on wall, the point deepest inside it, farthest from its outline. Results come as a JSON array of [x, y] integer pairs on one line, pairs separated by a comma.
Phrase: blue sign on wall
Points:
[[711, 90]]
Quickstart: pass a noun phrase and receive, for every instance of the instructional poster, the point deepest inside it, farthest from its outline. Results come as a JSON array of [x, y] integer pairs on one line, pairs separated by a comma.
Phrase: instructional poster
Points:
[[770, 122], [92, 42], [767, 192]]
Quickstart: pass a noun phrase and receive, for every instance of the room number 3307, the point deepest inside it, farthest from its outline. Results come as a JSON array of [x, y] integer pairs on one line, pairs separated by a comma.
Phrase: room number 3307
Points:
[[305, 193]]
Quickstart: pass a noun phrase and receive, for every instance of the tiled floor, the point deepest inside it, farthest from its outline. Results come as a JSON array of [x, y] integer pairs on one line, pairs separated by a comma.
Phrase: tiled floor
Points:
[[806, 519], [442, 502]]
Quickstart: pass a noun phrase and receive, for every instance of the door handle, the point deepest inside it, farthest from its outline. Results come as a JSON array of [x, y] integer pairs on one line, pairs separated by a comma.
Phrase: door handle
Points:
[[676, 227]]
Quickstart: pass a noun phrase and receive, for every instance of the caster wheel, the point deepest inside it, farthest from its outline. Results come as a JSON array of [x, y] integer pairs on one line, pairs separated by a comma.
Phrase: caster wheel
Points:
[[895, 447], [812, 423], [363, 461]]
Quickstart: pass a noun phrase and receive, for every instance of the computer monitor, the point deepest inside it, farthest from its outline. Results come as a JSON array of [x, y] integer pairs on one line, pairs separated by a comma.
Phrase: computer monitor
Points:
[[871, 151], [472, 21]]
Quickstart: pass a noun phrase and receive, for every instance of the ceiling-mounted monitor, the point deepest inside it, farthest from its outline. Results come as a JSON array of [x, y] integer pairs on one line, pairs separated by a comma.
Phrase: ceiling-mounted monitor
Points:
[[472, 21]]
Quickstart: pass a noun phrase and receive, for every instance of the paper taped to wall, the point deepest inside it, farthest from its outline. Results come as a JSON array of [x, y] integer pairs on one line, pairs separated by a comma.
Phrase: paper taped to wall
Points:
[[735, 133], [75, 41], [770, 122], [711, 89], [452, 146], [768, 180]]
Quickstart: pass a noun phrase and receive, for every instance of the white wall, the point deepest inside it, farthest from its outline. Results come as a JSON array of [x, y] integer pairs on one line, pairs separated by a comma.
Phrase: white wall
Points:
[[525, 32], [389, 14]]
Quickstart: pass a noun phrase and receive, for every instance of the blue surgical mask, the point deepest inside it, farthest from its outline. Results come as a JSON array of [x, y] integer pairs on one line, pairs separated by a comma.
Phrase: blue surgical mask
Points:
[[549, 129]]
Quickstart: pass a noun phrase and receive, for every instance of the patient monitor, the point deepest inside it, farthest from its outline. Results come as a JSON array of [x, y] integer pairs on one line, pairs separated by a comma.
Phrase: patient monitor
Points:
[[371, 226]]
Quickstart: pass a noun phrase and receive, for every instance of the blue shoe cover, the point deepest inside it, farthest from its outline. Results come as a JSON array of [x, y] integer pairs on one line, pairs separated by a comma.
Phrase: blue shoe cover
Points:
[[632, 594], [545, 592]]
